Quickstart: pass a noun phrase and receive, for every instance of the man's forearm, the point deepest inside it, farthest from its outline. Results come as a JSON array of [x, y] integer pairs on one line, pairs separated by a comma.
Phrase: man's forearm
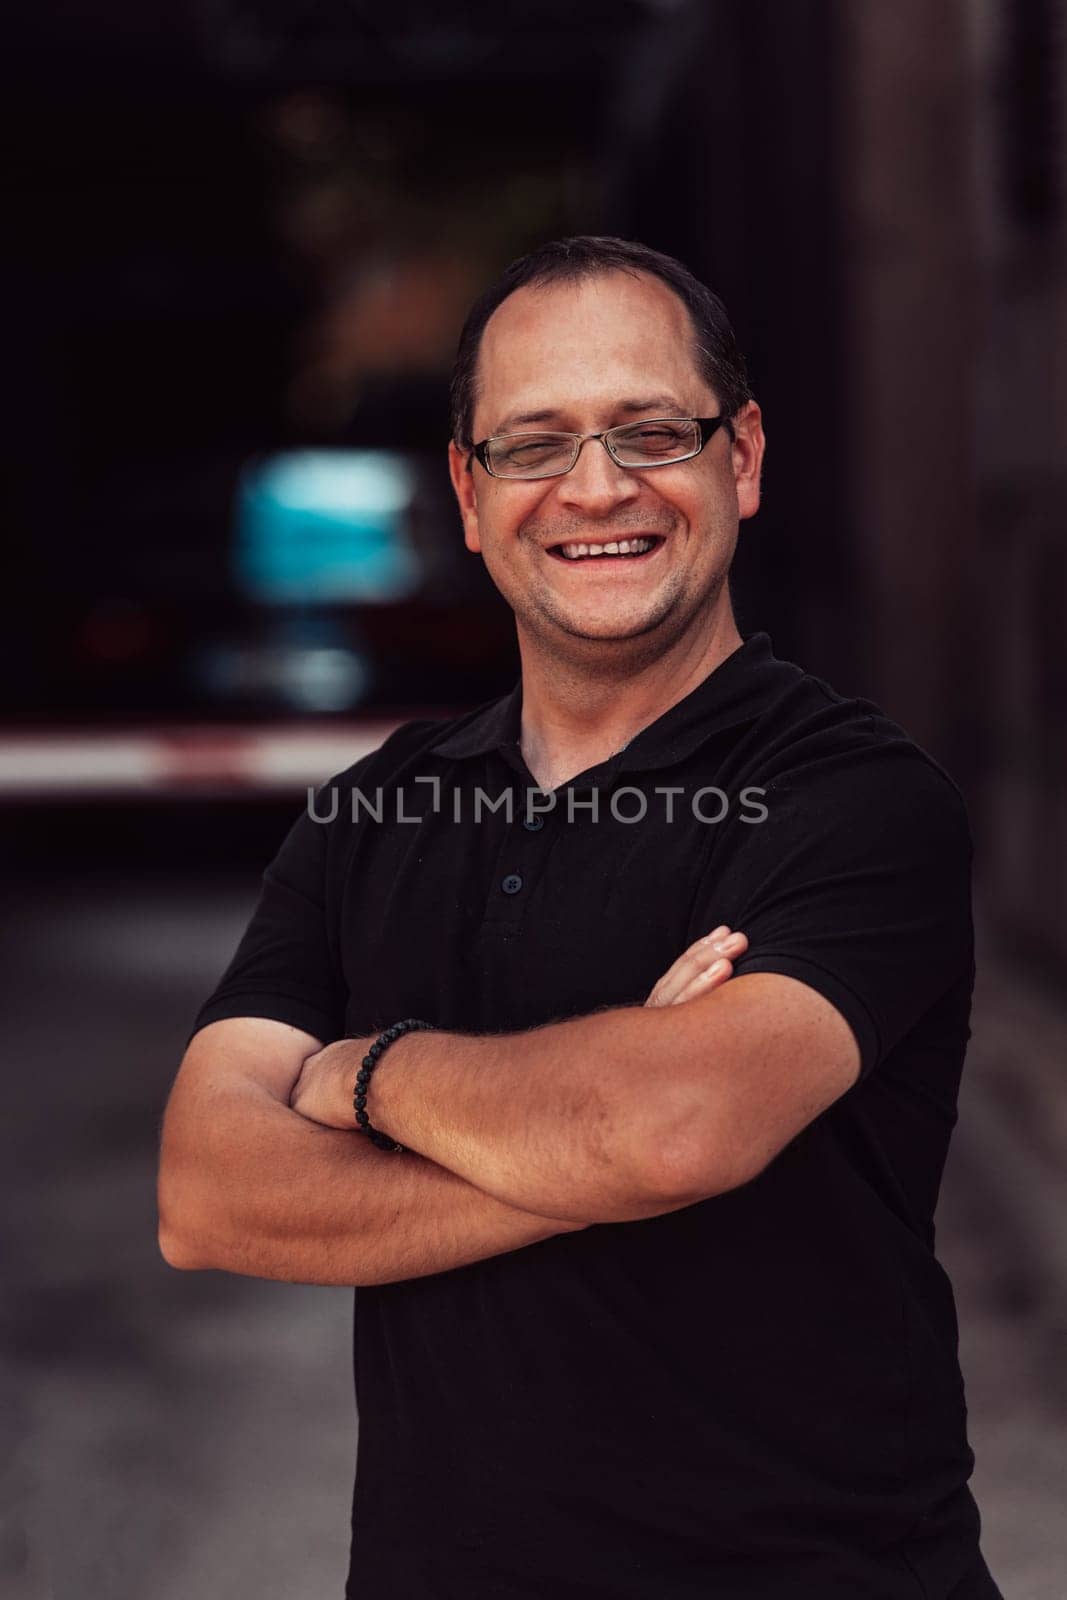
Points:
[[249, 1186], [578, 1115], [590, 1118]]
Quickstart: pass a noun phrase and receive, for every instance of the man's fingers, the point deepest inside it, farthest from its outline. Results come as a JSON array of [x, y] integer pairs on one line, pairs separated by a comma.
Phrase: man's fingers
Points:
[[699, 957], [700, 964], [706, 964], [712, 977]]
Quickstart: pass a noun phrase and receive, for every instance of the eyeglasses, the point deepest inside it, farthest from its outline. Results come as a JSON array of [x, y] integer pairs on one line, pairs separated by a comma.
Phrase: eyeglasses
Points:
[[655, 442]]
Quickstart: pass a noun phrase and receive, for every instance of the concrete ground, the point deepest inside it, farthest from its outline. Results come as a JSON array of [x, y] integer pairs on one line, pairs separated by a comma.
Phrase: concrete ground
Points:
[[193, 1434]]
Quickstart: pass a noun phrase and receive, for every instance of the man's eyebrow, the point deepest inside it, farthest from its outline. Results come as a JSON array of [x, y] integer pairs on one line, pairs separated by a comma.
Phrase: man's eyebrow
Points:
[[664, 405]]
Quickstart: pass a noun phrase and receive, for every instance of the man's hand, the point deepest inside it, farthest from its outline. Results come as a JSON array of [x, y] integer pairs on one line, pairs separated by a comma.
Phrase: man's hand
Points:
[[323, 1091], [705, 966], [327, 1081]]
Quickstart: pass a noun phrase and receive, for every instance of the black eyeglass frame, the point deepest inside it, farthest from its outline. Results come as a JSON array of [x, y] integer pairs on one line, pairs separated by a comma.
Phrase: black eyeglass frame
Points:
[[708, 426]]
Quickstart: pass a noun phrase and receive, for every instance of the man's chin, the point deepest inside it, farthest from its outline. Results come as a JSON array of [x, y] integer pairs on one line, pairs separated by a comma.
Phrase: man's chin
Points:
[[595, 629]]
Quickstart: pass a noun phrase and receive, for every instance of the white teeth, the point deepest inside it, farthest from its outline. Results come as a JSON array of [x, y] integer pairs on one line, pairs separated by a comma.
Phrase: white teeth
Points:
[[615, 547]]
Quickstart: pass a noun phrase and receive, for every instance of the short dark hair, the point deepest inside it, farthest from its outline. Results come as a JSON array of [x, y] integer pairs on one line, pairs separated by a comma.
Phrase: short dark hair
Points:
[[720, 361]]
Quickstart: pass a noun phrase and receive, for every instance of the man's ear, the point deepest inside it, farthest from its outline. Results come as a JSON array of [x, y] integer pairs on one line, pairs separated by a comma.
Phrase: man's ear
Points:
[[747, 450], [460, 469]]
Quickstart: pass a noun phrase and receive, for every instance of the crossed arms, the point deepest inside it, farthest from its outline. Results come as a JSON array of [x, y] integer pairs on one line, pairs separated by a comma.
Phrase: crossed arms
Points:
[[514, 1138]]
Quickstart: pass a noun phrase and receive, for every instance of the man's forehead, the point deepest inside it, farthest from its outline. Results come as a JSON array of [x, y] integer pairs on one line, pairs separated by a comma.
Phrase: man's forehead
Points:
[[559, 341], [627, 299]]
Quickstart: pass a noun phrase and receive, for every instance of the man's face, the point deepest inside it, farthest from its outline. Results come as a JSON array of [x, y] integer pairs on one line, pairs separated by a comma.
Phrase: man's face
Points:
[[581, 358]]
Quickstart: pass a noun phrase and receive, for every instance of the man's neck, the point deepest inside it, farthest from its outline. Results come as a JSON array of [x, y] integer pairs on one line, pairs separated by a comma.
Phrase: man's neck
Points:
[[579, 712]]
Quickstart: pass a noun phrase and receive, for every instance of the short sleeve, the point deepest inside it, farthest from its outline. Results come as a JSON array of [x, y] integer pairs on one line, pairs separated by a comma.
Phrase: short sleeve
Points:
[[285, 967], [857, 883]]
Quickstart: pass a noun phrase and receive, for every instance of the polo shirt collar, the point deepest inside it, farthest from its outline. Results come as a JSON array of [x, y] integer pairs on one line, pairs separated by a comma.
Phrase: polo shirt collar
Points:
[[737, 691]]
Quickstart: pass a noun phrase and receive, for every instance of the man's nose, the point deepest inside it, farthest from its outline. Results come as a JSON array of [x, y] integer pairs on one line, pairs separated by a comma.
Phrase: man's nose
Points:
[[596, 484]]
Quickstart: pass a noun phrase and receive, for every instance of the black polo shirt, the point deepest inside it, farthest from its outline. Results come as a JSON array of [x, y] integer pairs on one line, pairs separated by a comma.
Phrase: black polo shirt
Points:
[[758, 1395]]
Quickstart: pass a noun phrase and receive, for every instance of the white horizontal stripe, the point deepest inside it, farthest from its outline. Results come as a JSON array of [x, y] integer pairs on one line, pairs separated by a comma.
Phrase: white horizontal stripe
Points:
[[177, 759]]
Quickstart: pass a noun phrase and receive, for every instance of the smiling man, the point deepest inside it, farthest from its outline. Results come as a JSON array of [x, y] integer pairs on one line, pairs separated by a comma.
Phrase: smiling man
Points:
[[647, 1304]]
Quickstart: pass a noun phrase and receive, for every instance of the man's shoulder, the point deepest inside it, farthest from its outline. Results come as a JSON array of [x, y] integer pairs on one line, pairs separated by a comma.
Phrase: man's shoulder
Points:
[[814, 739]]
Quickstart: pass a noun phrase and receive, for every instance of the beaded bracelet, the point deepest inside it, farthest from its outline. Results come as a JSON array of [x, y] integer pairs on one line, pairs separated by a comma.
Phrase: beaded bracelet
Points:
[[370, 1061]]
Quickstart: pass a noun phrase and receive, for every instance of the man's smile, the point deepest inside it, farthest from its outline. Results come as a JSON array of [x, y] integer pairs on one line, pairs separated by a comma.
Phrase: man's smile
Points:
[[635, 550]]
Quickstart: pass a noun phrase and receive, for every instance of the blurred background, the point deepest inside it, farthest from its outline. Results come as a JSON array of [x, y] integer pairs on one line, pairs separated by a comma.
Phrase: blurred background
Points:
[[244, 234]]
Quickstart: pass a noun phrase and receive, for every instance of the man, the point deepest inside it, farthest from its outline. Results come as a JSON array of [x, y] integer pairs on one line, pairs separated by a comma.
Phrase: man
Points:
[[647, 1302]]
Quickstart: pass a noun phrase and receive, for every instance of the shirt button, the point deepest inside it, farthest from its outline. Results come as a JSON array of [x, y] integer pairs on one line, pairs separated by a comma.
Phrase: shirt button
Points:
[[534, 823], [512, 883]]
